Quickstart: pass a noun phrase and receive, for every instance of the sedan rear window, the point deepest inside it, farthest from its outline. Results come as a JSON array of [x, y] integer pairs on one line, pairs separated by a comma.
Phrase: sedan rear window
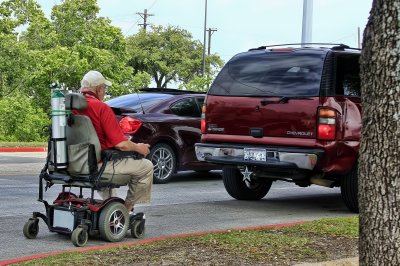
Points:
[[270, 74], [138, 101]]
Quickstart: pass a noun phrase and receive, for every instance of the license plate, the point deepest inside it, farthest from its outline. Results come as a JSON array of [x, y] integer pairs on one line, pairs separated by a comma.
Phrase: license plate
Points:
[[255, 154]]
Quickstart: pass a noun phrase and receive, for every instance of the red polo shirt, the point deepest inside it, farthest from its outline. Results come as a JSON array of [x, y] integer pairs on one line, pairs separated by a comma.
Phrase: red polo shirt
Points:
[[104, 121]]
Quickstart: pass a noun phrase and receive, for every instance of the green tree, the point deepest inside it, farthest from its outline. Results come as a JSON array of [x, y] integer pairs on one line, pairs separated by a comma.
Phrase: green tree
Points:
[[14, 13], [21, 119], [197, 83], [62, 48], [47, 66], [13, 67], [72, 42], [75, 39], [41, 34], [168, 54], [379, 164], [14, 54]]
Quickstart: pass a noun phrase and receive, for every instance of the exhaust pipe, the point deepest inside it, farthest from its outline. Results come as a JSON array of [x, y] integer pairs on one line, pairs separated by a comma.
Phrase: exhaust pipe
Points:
[[316, 180]]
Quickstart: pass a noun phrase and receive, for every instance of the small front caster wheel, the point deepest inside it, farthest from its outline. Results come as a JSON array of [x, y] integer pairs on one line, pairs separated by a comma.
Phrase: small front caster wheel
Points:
[[137, 228], [31, 228], [79, 237]]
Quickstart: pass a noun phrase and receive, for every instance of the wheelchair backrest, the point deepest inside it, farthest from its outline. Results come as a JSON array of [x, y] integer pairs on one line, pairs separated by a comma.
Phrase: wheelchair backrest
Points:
[[82, 141]]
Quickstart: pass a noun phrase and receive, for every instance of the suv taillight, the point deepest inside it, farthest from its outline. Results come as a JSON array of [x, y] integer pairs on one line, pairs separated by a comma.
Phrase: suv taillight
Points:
[[203, 120], [326, 124], [130, 125]]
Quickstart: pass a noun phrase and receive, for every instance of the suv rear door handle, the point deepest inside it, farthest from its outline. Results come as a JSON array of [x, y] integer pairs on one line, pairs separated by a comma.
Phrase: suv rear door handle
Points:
[[264, 102]]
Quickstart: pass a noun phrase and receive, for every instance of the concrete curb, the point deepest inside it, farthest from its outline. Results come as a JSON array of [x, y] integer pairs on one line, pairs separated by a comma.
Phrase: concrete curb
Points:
[[23, 149], [341, 262], [150, 240]]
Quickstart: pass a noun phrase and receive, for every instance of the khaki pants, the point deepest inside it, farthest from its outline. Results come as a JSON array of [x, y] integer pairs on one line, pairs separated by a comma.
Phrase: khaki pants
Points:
[[137, 174]]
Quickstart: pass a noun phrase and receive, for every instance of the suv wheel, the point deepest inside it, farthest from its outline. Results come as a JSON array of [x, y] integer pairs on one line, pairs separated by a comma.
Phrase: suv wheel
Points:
[[244, 190], [349, 189]]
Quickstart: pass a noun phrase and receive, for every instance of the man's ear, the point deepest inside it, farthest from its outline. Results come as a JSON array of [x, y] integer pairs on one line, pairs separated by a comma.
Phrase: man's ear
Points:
[[97, 90]]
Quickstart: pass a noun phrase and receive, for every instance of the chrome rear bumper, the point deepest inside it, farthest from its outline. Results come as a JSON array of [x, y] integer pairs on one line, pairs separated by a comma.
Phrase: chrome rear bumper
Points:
[[277, 157]]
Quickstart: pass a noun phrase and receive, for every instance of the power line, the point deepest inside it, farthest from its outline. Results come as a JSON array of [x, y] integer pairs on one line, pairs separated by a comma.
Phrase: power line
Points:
[[133, 25], [155, 1]]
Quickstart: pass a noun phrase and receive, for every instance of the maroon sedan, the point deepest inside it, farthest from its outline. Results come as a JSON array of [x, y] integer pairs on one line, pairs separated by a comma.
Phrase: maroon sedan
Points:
[[169, 120]]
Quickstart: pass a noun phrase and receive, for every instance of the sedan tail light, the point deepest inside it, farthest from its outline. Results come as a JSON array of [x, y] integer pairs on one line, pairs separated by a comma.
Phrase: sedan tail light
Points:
[[130, 125], [326, 124]]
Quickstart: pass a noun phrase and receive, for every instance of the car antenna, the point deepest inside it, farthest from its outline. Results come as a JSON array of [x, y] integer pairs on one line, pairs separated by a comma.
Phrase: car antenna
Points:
[[140, 101]]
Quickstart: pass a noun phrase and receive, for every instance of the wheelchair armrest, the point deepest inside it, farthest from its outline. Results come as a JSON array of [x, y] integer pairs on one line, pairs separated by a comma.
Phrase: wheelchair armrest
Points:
[[114, 154]]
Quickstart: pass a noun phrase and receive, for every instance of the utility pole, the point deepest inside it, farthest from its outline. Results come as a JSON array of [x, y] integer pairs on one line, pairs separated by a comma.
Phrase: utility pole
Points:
[[306, 34], [210, 32], [359, 39], [204, 41], [144, 16]]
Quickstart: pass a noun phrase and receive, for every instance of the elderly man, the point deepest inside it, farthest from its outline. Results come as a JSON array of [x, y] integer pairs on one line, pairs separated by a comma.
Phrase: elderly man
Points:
[[94, 87]]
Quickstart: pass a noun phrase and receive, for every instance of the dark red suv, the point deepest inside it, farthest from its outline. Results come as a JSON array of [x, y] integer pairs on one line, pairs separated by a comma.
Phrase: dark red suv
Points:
[[290, 114]]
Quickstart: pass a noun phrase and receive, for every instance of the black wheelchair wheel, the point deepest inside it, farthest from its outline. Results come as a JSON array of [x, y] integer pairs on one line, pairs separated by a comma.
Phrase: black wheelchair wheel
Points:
[[113, 222], [79, 237], [31, 228], [137, 228]]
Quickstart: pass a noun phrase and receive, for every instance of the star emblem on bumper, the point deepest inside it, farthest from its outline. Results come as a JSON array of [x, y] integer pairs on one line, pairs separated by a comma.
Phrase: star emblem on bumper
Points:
[[246, 174]]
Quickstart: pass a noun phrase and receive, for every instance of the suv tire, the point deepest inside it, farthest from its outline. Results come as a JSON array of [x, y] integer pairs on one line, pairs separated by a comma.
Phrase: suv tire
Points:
[[239, 189], [349, 189]]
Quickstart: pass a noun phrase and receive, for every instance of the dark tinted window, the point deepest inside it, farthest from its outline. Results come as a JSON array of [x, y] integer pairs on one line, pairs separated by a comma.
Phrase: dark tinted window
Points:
[[138, 101], [200, 102], [348, 75], [270, 74], [185, 107]]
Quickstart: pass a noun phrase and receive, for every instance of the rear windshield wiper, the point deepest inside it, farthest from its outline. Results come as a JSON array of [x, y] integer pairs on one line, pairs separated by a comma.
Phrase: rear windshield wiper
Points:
[[284, 99]]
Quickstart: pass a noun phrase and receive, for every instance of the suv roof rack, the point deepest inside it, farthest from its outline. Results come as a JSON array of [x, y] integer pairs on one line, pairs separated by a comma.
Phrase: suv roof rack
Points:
[[333, 46], [171, 91]]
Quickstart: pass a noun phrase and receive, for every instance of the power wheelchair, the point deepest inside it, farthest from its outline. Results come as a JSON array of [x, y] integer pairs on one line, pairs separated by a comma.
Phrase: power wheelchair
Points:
[[72, 214]]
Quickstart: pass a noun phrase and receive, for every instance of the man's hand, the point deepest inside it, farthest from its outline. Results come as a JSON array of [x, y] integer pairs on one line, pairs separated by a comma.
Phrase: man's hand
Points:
[[143, 149], [128, 145]]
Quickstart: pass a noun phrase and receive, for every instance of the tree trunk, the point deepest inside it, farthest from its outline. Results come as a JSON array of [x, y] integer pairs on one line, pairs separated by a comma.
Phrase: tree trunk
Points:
[[379, 164], [158, 78]]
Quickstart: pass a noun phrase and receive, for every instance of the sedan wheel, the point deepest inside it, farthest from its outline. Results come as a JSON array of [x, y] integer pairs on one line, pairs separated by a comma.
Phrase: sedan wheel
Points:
[[164, 160]]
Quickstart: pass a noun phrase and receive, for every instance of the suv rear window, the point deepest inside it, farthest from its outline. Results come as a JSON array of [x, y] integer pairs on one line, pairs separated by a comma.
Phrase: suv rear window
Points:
[[270, 74], [348, 75]]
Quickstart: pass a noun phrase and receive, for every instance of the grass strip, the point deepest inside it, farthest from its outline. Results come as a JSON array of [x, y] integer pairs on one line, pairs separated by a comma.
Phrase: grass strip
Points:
[[5, 144], [320, 240]]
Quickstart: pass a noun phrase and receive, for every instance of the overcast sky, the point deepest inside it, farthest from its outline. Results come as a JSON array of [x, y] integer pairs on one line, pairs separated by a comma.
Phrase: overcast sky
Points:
[[242, 24]]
